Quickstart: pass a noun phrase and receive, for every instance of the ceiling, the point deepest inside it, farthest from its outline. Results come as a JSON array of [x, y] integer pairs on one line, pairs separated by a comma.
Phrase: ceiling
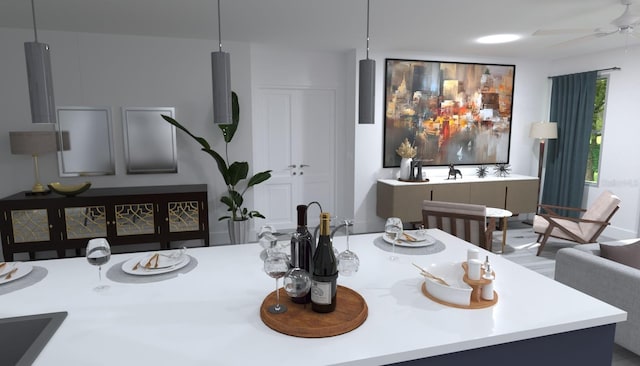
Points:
[[448, 27]]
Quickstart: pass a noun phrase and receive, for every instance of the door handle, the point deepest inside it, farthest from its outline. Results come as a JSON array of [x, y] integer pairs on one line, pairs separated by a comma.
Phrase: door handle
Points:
[[291, 166], [303, 165]]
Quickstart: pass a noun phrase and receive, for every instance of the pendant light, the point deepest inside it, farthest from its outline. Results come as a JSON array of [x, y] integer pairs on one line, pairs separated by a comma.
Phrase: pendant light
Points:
[[367, 85], [43, 108], [221, 75]]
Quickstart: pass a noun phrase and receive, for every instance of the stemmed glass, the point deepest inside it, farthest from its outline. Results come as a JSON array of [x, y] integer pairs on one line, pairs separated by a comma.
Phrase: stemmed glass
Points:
[[393, 230], [276, 265], [98, 253], [348, 261]]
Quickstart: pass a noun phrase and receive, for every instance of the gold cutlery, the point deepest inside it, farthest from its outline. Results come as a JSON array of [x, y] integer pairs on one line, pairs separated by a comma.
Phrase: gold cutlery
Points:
[[428, 274], [409, 237], [150, 261], [2, 264], [136, 266], [8, 275]]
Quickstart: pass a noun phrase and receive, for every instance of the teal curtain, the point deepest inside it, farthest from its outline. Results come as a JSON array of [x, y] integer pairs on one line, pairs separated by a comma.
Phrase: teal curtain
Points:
[[572, 105]]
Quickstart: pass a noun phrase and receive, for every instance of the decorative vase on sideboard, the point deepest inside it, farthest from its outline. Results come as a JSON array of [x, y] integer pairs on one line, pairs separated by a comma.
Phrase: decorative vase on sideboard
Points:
[[405, 168], [238, 231]]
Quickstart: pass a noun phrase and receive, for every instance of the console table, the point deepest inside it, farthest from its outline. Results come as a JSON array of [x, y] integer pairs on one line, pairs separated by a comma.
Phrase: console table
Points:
[[126, 215], [516, 193]]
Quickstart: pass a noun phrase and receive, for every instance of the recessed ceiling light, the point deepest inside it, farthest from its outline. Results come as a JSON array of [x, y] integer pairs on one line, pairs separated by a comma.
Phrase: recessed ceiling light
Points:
[[498, 38]]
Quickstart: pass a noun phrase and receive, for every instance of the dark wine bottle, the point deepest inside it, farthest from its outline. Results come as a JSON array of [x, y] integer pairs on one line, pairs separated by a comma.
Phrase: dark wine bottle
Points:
[[303, 250], [325, 271]]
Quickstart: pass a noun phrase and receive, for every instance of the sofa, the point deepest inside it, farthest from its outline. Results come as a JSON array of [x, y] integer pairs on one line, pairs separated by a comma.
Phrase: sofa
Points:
[[582, 268]]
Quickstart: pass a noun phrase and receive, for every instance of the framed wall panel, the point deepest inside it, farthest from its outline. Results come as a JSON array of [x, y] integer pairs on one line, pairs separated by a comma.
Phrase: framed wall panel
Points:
[[149, 141], [90, 136]]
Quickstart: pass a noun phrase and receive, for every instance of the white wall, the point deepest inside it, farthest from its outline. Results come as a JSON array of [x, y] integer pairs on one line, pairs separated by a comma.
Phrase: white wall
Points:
[[117, 71], [619, 166], [530, 93], [126, 71]]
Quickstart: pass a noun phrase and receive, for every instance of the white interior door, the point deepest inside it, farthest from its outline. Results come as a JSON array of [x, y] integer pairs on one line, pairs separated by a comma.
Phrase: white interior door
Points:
[[295, 139]]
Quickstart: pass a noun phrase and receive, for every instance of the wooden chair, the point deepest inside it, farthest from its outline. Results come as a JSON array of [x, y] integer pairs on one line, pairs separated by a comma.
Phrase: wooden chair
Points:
[[466, 221], [582, 230]]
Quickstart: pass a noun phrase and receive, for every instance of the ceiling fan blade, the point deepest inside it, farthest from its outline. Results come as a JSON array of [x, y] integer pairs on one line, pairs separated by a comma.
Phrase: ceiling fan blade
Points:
[[574, 41], [603, 33], [559, 32], [626, 19]]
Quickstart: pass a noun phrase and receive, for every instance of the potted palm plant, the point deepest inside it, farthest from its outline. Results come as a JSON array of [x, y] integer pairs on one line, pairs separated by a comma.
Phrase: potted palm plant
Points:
[[234, 175]]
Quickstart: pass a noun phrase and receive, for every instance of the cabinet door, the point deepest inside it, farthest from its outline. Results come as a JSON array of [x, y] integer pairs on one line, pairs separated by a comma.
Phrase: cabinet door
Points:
[[522, 196], [85, 222], [450, 192], [490, 194], [184, 216], [403, 201], [30, 225], [134, 218]]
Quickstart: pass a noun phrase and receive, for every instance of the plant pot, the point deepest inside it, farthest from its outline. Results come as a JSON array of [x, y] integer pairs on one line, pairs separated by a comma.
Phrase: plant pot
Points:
[[405, 168], [238, 231]]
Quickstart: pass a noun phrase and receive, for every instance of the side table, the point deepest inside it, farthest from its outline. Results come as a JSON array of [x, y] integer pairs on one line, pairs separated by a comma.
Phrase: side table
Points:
[[494, 213]]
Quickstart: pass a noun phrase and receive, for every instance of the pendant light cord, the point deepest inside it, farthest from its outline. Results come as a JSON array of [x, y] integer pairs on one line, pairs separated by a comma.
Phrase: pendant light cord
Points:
[[33, 13], [219, 29], [367, 29]]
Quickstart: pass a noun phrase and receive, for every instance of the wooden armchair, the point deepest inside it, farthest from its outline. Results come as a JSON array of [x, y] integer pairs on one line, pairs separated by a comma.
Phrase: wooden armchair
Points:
[[466, 221], [585, 229]]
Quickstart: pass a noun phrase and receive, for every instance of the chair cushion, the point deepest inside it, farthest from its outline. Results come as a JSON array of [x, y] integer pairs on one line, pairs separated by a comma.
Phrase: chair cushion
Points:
[[540, 225], [600, 210], [624, 254]]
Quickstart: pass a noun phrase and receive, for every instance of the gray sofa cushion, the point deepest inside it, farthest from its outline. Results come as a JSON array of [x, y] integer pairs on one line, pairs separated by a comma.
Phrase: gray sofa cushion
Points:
[[625, 254]]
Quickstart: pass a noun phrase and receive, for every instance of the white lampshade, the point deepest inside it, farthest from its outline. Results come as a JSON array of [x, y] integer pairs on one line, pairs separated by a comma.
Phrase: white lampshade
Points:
[[544, 130]]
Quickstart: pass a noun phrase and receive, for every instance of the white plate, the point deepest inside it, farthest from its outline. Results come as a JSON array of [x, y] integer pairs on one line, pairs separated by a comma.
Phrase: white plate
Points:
[[128, 266], [23, 270], [422, 240]]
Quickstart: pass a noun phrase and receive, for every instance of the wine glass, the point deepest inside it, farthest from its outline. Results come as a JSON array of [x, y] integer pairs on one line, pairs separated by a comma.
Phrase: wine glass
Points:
[[393, 230], [276, 265], [98, 253], [348, 261]]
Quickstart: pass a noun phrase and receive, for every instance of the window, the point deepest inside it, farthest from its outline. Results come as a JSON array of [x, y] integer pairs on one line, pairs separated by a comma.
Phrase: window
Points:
[[595, 141]]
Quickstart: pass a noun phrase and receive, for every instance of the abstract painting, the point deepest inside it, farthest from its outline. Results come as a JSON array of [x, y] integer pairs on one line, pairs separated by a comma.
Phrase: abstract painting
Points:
[[451, 112]]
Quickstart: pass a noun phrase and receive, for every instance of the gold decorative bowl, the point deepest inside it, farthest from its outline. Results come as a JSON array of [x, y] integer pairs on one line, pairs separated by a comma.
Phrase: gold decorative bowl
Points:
[[69, 190]]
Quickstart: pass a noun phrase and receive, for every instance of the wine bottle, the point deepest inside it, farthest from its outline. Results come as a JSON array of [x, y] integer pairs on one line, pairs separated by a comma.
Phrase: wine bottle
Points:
[[325, 271], [303, 250]]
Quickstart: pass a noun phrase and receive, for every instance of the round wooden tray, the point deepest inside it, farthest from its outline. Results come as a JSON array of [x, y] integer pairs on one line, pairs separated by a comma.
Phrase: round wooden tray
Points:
[[300, 321]]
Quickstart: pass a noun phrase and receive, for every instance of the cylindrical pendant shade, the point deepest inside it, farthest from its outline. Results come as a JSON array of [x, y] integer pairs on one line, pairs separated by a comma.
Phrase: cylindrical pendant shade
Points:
[[366, 105], [43, 107], [221, 74]]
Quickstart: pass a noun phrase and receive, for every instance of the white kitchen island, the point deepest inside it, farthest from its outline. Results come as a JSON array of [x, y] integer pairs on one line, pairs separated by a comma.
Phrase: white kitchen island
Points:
[[208, 313]]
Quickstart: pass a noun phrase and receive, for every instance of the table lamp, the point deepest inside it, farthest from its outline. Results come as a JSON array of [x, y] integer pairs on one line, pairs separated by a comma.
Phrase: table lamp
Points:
[[543, 131], [34, 143]]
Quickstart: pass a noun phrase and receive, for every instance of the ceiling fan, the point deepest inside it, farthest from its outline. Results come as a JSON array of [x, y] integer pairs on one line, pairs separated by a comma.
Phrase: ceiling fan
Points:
[[626, 24]]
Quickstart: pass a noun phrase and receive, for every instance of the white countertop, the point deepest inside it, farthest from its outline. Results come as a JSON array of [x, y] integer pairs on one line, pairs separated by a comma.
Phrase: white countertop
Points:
[[210, 315], [466, 179]]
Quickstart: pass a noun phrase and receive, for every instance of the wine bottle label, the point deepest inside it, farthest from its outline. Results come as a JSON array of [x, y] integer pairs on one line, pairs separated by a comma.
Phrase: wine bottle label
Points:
[[321, 292]]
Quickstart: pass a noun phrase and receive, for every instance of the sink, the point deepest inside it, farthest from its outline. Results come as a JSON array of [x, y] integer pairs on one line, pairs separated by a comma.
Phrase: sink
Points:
[[23, 338]]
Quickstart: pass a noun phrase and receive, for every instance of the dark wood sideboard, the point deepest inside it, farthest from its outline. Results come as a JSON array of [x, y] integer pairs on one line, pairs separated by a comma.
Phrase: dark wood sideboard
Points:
[[125, 216]]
